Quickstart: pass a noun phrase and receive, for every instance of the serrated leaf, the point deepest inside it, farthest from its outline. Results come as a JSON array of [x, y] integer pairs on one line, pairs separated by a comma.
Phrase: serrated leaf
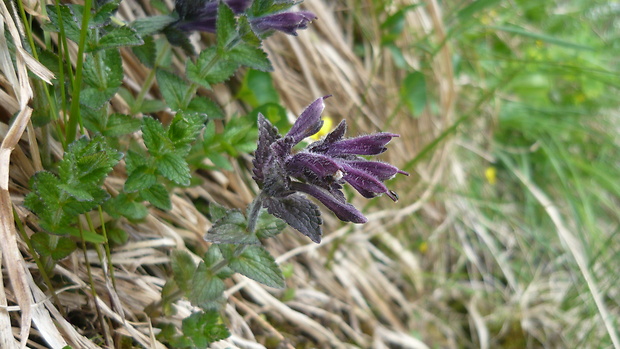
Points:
[[103, 70], [119, 37], [206, 289], [151, 25], [210, 68], [172, 88], [134, 160], [74, 207], [231, 229], [204, 105], [184, 129], [179, 38], [299, 212], [104, 13], [147, 52], [78, 192], [250, 56], [261, 8], [71, 22], [183, 268], [140, 178], [247, 34], [121, 124], [257, 264], [268, 226], [155, 137], [158, 196], [174, 168], [96, 98], [226, 26], [125, 206], [204, 328], [55, 247], [216, 211]]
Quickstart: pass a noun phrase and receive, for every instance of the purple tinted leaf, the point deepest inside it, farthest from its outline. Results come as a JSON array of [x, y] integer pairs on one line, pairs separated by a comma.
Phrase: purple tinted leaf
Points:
[[364, 145], [364, 182], [320, 165], [238, 6], [267, 135], [343, 210], [309, 122], [299, 212], [323, 145]]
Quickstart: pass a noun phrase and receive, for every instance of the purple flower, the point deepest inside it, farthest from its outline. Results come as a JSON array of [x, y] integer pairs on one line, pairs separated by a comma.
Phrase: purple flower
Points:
[[319, 170], [286, 22], [201, 15]]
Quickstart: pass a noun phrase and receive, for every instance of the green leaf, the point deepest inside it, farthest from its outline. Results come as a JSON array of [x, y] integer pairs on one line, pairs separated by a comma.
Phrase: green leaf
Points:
[[204, 105], [261, 8], [268, 226], [134, 160], [151, 25], [258, 89], [226, 26], [184, 129], [174, 168], [151, 106], [124, 205], [119, 37], [117, 236], [543, 37], [206, 288], [413, 92], [88, 235], [158, 196], [104, 13], [210, 68], [250, 56], [172, 88], [103, 75], [179, 38], [183, 269], [257, 264], [66, 14], [147, 52], [204, 328], [52, 246], [216, 211], [142, 177], [121, 124], [231, 229], [247, 34], [155, 137]]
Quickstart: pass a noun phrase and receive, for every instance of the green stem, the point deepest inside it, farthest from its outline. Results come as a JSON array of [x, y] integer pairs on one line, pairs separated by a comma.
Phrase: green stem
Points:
[[107, 247], [253, 214], [149, 79], [74, 116], [218, 55]]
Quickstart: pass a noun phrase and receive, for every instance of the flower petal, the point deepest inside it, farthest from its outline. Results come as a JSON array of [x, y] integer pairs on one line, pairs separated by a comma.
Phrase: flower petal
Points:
[[364, 145], [366, 183], [287, 22], [318, 164], [238, 6], [343, 210], [309, 122], [334, 136], [381, 170]]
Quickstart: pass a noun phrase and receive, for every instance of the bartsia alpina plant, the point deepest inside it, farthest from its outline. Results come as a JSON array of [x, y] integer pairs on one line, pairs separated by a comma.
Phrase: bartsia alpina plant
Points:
[[320, 170], [202, 15]]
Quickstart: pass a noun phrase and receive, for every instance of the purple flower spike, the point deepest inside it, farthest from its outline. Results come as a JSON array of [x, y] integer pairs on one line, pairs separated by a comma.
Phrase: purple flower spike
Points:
[[286, 22], [319, 170]]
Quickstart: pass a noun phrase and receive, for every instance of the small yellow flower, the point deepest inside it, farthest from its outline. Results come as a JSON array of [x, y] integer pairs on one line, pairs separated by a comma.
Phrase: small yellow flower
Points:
[[327, 126], [423, 248], [539, 43], [491, 174]]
